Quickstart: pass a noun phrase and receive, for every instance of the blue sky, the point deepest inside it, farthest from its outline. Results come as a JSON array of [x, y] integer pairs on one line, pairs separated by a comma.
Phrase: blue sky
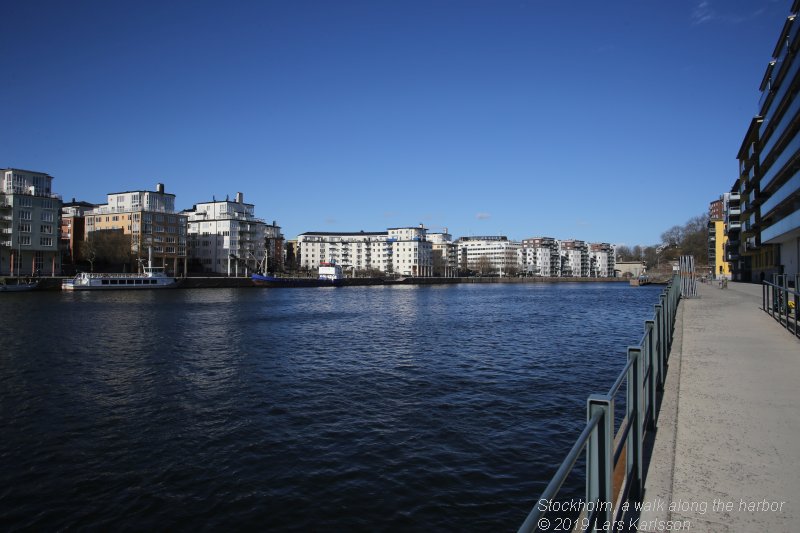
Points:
[[603, 121]]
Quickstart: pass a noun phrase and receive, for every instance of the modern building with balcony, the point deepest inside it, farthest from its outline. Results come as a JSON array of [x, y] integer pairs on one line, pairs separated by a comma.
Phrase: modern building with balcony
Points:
[[149, 221], [718, 240], [540, 256], [29, 213], [769, 165], [444, 254], [225, 237], [405, 251], [601, 260], [574, 259]]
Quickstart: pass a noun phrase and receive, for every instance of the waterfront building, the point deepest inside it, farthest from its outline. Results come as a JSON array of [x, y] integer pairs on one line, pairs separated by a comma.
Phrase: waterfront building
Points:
[[540, 256], [444, 254], [353, 251], [146, 219], [574, 259], [769, 165], [73, 231], [404, 251], [29, 213], [601, 260], [493, 254], [226, 237], [718, 240], [411, 251]]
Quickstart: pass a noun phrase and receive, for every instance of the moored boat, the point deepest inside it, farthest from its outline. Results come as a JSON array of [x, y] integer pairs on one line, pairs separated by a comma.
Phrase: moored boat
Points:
[[150, 278], [329, 275]]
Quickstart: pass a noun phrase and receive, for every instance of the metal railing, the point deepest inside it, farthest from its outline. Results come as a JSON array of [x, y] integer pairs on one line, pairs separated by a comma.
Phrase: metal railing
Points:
[[782, 302], [644, 373]]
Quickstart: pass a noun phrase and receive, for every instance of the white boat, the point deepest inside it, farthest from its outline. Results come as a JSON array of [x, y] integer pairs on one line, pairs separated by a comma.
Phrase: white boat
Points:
[[330, 272], [150, 278]]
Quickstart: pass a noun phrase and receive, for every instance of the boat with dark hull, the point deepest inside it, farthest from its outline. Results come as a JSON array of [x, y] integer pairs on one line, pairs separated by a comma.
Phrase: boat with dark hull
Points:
[[330, 275]]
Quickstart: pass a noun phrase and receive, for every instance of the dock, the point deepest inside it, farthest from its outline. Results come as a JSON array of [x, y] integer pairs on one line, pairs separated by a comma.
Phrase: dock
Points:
[[726, 453]]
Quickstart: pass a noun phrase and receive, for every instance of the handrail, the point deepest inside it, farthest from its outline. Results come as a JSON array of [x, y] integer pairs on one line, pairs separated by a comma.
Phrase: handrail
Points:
[[644, 372], [781, 302]]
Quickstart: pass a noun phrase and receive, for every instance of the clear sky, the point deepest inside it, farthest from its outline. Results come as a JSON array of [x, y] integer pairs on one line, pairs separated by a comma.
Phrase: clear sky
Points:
[[603, 121]]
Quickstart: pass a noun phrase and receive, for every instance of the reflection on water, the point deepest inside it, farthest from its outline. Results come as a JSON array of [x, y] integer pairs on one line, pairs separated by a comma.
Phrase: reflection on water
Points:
[[359, 408]]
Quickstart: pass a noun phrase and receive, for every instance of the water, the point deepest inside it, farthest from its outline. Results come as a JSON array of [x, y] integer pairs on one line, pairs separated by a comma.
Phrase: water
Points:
[[361, 408]]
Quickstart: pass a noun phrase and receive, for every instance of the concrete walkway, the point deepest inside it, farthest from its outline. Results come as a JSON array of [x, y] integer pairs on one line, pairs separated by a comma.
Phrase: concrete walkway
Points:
[[726, 455]]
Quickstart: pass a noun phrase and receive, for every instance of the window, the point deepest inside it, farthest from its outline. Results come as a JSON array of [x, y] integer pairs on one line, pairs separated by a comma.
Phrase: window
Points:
[[25, 215], [46, 228], [46, 241], [25, 201], [25, 240], [25, 228]]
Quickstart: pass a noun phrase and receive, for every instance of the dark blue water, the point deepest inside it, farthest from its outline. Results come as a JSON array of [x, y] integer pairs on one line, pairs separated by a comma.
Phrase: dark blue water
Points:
[[362, 408]]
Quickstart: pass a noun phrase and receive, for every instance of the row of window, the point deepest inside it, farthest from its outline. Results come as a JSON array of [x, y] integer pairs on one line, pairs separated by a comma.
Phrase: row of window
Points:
[[25, 240]]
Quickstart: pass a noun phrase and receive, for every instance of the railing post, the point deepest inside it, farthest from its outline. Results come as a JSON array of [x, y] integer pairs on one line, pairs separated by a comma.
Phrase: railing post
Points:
[[665, 312], [599, 454], [649, 327], [659, 333], [635, 416]]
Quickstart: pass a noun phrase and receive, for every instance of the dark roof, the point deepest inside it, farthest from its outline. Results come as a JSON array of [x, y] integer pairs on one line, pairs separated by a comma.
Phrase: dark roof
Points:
[[347, 233]]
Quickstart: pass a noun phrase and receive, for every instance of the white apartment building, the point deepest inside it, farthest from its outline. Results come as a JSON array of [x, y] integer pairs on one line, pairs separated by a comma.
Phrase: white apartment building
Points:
[[29, 218], [226, 237], [445, 254], [574, 259], [354, 251], [404, 251], [540, 256], [488, 254], [601, 260], [411, 252]]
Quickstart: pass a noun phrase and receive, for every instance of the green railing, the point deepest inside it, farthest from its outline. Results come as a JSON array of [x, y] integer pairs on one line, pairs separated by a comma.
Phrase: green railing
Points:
[[644, 375]]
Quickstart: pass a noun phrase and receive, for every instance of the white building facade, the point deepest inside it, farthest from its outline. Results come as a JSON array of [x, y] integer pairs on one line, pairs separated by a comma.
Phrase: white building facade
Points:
[[29, 224], [489, 254], [227, 238], [445, 254], [404, 251], [601, 260], [540, 256]]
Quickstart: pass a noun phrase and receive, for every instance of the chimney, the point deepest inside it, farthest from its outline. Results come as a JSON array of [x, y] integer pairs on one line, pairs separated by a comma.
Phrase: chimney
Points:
[[160, 188], [239, 198]]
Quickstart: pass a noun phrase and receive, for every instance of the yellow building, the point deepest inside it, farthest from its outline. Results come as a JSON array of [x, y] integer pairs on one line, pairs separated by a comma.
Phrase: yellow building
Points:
[[150, 219], [716, 248]]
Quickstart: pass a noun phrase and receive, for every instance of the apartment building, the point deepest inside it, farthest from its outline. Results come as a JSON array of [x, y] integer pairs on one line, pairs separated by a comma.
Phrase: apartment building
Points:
[[540, 256], [410, 251], [444, 254], [575, 259], [493, 254], [405, 251], [601, 260], [29, 213], [225, 237], [769, 167], [149, 220]]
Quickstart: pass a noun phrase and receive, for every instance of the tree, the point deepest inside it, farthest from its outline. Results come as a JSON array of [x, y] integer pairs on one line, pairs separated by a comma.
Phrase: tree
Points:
[[110, 247]]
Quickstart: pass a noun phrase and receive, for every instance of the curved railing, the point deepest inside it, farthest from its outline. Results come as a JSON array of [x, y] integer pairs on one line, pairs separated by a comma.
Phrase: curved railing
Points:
[[609, 452]]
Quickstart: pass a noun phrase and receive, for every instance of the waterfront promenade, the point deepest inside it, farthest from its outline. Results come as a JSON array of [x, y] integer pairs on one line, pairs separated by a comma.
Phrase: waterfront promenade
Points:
[[726, 455]]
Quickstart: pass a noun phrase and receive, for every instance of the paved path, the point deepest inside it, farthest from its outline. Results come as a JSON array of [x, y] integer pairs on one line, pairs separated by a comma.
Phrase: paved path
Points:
[[729, 424]]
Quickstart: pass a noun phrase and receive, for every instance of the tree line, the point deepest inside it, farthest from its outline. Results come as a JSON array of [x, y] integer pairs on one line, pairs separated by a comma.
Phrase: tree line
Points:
[[689, 239]]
